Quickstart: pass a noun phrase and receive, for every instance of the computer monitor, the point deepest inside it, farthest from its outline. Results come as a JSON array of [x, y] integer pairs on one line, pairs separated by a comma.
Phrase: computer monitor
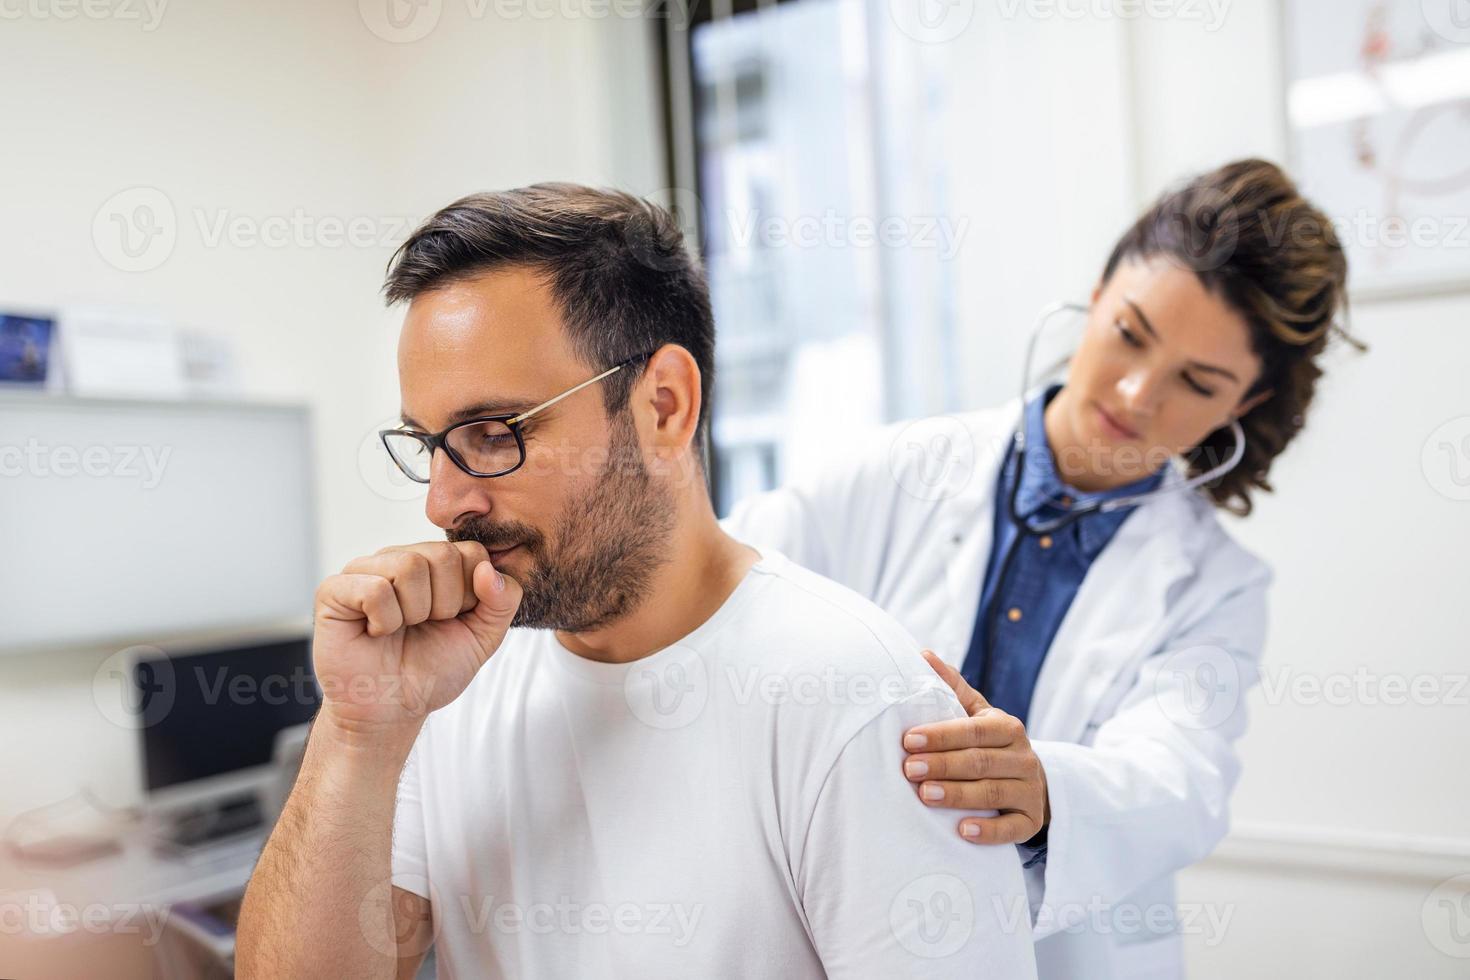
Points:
[[209, 718]]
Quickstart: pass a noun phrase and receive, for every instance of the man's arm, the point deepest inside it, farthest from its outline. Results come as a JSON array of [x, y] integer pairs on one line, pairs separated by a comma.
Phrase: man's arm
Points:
[[398, 635], [320, 901], [888, 887]]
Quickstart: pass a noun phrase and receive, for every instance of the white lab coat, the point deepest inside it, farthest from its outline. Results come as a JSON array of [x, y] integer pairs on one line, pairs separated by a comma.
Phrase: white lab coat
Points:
[[1140, 697]]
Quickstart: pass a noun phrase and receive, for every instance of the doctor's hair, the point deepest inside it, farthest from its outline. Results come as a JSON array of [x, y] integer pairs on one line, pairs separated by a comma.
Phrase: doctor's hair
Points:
[[1252, 239], [617, 265]]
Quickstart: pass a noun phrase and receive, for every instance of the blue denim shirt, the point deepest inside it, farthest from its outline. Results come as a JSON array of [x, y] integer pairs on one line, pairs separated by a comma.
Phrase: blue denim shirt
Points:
[[1045, 574]]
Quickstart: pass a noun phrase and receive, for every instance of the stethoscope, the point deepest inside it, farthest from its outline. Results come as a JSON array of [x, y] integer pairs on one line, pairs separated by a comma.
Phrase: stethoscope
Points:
[[1078, 509]]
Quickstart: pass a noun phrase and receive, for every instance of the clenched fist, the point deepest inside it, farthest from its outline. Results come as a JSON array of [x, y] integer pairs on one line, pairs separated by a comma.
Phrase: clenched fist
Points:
[[402, 632]]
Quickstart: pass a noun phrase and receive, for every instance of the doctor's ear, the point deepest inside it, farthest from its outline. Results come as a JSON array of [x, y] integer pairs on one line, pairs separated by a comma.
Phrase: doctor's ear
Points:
[[1249, 404]]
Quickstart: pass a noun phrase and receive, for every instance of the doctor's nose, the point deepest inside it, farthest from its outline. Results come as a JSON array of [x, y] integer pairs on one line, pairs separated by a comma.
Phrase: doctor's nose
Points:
[[1140, 392]]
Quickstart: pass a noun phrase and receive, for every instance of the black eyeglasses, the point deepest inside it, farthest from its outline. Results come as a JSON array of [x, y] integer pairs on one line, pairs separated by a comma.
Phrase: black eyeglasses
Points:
[[489, 446]]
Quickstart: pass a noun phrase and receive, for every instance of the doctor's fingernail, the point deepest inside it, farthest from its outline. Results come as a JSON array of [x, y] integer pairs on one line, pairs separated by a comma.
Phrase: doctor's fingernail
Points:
[[916, 768], [914, 741], [932, 792]]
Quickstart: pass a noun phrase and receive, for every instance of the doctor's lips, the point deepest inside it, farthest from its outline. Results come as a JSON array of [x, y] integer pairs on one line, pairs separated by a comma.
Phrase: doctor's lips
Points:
[[1115, 426]]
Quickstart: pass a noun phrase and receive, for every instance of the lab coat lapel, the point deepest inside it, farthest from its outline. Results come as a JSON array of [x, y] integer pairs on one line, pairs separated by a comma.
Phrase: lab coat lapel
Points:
[[972, 515], [1116, 617]]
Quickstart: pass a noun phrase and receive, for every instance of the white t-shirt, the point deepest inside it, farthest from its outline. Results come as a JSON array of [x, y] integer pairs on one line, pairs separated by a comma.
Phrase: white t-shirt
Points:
[[731, 806]]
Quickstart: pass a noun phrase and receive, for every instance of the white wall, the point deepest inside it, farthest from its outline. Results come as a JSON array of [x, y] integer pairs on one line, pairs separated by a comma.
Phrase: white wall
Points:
[[259, 110]]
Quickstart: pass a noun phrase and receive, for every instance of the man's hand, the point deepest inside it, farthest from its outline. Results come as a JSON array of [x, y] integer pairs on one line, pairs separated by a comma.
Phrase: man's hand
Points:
[[402, 632], [983, 762]]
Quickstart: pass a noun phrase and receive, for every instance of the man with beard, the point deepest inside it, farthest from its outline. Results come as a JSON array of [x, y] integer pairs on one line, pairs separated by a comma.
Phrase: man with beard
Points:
[[684, 758]]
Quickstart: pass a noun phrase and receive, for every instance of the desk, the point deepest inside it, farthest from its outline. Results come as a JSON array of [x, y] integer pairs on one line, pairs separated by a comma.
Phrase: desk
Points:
[[110, 917]]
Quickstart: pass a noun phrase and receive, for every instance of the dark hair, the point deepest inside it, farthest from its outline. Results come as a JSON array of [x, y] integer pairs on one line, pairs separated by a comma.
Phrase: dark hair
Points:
[[617, 266], [1253, 240]]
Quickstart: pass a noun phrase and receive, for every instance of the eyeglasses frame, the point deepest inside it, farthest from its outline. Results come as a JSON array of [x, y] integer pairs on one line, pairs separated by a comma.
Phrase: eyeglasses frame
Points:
[[511, 420]]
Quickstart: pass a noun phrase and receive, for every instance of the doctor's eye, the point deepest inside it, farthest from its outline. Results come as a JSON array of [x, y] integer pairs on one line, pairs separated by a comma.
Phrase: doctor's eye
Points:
[[1129, 337], [1197, 387]]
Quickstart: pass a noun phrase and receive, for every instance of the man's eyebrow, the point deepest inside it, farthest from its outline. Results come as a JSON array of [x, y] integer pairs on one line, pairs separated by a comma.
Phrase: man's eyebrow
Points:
[[1198, 365], [499, 406]]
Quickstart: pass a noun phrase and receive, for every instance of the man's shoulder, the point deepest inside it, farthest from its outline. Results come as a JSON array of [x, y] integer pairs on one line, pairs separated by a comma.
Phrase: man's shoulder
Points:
[[804, 623]]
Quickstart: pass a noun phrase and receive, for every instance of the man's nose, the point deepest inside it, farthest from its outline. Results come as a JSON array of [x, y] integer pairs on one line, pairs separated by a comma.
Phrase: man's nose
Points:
[[453, 493]]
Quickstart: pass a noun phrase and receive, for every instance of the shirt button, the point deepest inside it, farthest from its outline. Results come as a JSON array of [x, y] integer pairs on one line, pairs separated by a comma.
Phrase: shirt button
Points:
[[1066, 501], [1014, 615], [1045, 541]]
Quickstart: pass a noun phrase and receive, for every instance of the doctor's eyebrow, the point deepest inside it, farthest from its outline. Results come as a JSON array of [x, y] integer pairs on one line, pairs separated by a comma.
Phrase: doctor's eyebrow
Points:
[[1198, 365], [494, 407]]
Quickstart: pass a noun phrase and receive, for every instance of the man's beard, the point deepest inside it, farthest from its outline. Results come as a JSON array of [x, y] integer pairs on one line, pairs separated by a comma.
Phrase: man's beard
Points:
[[599, 563]]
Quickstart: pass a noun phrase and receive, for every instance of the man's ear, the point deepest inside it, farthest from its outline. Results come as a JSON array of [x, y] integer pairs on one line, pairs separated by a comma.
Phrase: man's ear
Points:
[[672, 391]]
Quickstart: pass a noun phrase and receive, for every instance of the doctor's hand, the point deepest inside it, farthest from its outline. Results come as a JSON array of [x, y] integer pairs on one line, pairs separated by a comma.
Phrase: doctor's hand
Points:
[[402, 632], [983, 762]]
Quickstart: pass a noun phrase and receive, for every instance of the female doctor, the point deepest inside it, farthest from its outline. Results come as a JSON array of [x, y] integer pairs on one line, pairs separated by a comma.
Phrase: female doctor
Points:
[[1058, 558]]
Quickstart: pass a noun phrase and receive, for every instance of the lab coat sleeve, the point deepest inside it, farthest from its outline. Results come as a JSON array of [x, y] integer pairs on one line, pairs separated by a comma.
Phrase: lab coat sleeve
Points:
[[1150, 794], [879, 874]]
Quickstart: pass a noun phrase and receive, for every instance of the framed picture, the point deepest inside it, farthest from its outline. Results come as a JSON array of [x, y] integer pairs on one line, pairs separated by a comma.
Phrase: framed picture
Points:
[[26, 349], [1378, 113]]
